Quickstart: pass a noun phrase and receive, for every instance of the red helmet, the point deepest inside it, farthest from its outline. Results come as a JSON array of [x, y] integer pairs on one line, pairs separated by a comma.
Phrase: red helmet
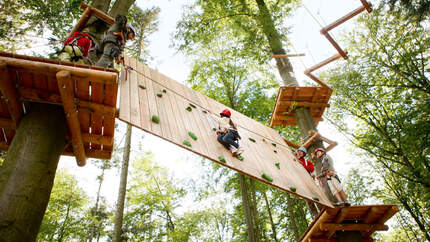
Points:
[[225, 112], [319, 149]]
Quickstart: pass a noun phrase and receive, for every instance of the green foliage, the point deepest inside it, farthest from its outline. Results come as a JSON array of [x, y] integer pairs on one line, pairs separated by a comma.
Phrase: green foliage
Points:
[[64, 214], [418, 10], [381, 101]]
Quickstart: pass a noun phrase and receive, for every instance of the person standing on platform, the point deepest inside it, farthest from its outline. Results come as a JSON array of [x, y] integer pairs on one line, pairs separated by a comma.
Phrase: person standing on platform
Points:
[[113, 42], [333, 181]]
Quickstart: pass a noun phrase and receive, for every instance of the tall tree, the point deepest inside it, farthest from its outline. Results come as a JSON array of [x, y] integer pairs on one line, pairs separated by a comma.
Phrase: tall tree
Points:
[[46, 125], [256, 27], [63, 217], [147, 24], [384, 90]]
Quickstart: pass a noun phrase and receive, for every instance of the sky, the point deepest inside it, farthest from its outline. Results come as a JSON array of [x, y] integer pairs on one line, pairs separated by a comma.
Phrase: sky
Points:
[[305, 38]]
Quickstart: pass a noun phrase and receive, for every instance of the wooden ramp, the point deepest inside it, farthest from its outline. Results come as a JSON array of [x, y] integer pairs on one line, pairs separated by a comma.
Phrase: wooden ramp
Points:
[[366, 219], [145, 92], [88, 95]]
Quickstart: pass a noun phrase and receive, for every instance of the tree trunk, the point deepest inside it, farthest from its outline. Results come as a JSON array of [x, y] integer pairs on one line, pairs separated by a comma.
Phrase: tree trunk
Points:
[[63, 225], [27, 175], [312, 208], [96, 207], [246, 209], [254, 211], [269, 211], [292, 217], [122, 187], [121, 7], [303, 116]]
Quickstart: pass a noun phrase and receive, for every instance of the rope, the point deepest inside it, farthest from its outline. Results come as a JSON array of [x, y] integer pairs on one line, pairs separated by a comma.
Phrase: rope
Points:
[[310, 13], [129, 68], [301, 61]]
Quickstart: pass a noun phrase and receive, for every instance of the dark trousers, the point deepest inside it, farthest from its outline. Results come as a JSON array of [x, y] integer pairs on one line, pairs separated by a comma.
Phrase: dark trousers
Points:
[[229, 139]]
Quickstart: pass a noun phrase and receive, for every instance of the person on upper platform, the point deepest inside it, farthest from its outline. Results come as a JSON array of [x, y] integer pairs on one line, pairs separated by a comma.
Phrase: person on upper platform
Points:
[[76, 48], [307, 164], [227, 132], [113, 42]]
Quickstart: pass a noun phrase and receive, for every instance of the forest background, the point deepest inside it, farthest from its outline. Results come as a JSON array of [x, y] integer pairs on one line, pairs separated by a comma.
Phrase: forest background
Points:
[[379, 115]]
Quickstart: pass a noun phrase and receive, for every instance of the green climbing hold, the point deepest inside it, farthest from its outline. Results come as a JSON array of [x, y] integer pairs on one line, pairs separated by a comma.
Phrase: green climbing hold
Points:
[[155, 119], [264, 140], [275, 151], [214, 129], [315, 198], [188, 109], [267, 177], [274, 144], [192, 135], [204, 111], [277, 164], [251, 139], [192, 105], [164, 90], [240, 157], [142, 86], [293, 189], [187, 143], [221, 158], [159, 94]]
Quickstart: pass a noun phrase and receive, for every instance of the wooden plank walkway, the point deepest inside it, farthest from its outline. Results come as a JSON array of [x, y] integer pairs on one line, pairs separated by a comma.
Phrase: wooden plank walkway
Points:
[[147, 92]]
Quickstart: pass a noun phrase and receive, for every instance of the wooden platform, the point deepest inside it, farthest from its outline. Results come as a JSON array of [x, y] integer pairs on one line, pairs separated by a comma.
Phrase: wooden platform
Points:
[[289, 98], [367, 219], [90, 94], [147, 92]]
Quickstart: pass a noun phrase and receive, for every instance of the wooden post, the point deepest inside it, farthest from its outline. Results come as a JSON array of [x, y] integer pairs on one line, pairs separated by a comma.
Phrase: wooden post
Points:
[[334, 43], [65, 85], [343, 19], [9, 94]]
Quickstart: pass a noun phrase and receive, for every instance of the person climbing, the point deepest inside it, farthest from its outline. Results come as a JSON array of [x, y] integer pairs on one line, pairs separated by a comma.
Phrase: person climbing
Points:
[[333, 181], [113, 42], [227, 132], [76, 48], [307, 164]]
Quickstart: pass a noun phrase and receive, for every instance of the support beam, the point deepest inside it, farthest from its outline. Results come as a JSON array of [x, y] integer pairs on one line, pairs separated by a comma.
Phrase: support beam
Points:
[[335, 45], [370, 216], [303, 104], [339, 219], [291, 118], [4, 146], [65, 85], [100, 14], [387, 215], [353, 227], [43, 96], [97, 154], [86, 15], [323, 63], [9, 94], [315, 79], [287, 55], [343, 19], [367, 5], [82, 74], [97, 139], [291, 144], [7, 123]]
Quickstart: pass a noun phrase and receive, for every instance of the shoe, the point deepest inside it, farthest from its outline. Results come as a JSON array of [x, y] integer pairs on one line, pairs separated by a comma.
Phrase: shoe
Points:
[[346, 204], [233, 150], [239, 151], [338, 204]]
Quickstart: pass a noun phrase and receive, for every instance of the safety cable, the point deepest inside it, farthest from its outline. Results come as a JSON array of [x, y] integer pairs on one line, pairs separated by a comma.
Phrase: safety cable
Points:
[[127, 68]]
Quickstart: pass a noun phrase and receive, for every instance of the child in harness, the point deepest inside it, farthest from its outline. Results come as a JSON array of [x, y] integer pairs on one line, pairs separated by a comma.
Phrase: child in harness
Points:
[[227, 133], [76, 48]]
